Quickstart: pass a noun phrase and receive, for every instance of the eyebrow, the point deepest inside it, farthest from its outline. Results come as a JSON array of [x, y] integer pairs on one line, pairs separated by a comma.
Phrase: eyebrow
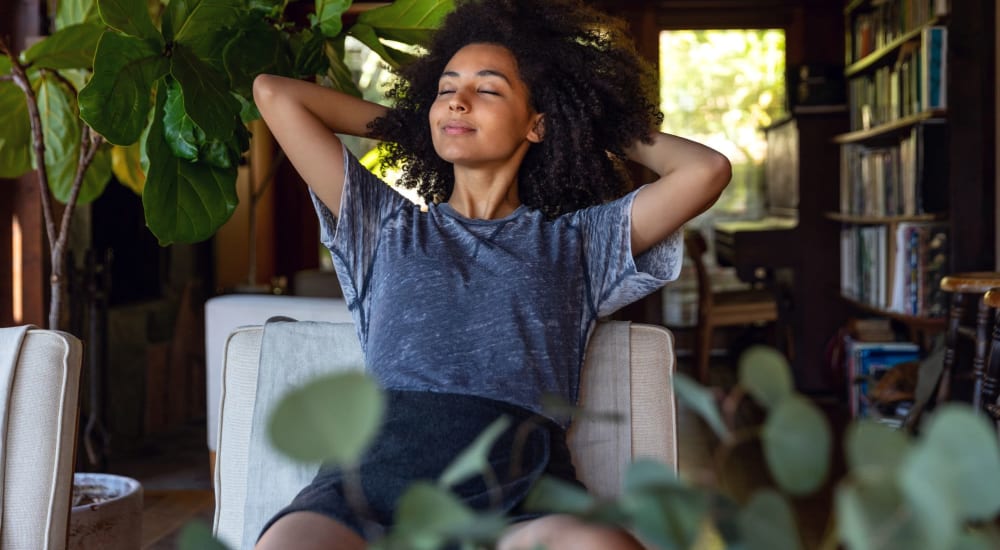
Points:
[[484, 72]]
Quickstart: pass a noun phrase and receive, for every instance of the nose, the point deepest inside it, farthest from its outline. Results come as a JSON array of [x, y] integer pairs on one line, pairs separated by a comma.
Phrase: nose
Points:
[[457, 103]]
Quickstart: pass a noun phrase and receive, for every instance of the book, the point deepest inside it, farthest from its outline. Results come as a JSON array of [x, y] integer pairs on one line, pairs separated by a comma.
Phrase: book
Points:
[[933, 62], [867, 362]]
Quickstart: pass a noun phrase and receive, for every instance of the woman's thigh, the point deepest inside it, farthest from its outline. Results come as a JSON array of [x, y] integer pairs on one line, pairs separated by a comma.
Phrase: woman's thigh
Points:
[[559, 532], [309, 531]]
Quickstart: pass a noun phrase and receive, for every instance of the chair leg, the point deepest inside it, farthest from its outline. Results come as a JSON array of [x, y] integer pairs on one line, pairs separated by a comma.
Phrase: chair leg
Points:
[[703, 351], [979, 361], [950, 343]]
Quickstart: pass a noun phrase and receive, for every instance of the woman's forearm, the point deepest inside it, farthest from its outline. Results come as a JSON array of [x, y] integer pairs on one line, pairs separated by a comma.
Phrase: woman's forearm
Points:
[[342, 113]]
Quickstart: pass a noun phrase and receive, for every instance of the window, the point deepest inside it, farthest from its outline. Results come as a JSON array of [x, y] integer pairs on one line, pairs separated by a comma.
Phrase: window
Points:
[[720, 87]]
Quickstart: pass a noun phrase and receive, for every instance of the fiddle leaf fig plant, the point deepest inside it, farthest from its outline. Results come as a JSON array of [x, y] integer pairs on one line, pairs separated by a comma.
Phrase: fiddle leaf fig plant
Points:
[[159, 93]]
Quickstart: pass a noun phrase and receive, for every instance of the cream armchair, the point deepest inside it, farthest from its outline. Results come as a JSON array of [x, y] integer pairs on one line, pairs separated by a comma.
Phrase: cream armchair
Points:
[[628, 371], [39, 398]]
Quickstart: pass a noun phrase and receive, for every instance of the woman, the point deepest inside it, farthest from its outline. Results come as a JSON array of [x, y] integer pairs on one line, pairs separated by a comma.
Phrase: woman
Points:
[[514, 128]]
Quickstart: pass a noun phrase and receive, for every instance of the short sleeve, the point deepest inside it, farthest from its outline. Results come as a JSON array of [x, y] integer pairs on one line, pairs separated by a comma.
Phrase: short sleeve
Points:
[[615, 278], [352, 235]]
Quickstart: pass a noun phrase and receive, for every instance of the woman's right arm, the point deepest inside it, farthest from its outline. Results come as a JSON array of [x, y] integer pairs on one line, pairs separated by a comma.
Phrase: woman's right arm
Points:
[[303, 117]]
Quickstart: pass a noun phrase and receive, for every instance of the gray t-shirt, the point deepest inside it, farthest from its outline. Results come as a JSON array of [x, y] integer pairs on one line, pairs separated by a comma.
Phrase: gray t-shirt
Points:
[[497, 308]]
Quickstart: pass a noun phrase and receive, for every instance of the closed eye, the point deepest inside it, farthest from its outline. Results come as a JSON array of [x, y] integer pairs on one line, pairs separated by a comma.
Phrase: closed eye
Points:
[[490, 92], [443, 92]]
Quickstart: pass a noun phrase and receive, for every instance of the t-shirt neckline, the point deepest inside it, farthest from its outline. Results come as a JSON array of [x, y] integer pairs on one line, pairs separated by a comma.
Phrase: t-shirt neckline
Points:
[[447, 209]]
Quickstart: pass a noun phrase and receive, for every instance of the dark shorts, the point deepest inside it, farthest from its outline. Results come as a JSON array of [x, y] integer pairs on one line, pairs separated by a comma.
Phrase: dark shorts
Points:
[[421, 435]]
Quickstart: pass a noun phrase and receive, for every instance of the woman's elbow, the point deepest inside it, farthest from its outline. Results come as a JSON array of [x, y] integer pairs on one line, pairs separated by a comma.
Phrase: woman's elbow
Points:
[[719, 172], [264, 86]]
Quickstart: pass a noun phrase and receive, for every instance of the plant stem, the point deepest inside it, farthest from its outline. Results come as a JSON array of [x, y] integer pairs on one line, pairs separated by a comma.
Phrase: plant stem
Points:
[[89, 145]]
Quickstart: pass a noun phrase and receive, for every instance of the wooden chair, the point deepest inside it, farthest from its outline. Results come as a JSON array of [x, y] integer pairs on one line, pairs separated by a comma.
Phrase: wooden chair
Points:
[[990, 381], [722, 309], [962, 286]]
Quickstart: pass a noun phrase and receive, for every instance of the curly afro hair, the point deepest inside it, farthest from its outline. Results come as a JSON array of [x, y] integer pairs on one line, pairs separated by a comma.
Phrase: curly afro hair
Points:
[[583, 73]]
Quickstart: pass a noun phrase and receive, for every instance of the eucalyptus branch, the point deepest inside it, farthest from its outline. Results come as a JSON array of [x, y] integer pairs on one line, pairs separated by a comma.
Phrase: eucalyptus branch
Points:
[[20, 78], [738, 437]]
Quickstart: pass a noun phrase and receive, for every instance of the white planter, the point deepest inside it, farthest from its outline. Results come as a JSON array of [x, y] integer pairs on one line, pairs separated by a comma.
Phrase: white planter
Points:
[[114, 522]]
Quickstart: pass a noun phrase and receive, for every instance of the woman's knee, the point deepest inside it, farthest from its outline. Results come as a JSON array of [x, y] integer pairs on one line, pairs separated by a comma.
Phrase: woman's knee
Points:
[[309, 531], [559, 532]]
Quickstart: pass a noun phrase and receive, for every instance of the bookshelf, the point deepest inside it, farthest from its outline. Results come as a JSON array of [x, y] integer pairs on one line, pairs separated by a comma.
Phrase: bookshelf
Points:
[[894, 210]]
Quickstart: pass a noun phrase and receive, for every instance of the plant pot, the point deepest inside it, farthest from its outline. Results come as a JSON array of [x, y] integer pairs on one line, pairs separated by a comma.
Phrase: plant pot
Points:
[[106, 513]]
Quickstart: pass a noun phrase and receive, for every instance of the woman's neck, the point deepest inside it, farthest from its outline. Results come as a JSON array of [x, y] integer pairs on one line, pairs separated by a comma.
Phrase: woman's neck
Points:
[[484, 195]]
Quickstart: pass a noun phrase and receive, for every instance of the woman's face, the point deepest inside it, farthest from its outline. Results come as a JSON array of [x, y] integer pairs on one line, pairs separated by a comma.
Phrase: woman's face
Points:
[[482, 116]]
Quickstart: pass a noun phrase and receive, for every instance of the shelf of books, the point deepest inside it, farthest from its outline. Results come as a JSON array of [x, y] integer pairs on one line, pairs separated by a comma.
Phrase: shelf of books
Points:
[[894, 171]]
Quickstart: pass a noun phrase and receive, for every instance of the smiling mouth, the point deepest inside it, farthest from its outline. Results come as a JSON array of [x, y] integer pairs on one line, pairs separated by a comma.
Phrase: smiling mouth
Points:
[[457, 129]]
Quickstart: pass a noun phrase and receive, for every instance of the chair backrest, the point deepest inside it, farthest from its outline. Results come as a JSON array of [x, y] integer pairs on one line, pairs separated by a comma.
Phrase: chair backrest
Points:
[[695, 245], [39, 437], [643, 396]]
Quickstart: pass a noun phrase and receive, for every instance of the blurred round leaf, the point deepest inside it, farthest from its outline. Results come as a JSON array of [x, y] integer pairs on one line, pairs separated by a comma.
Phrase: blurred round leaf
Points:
[[553, 495], [645, 473], [332, 418], [702, 401], [475, 458], [669, 517], [977, 540], [873, 445], [426, 514], [765, 375], [873, 514], [797, 441], [198, 536], [959, 459], [767, 523]]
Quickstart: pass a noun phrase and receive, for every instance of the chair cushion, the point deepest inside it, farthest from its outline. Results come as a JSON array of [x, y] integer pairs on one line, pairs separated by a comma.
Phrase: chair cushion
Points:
[[39, 441]]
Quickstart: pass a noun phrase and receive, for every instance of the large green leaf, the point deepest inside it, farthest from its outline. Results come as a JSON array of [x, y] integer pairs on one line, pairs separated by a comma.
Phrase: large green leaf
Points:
[[15, 137], [408, 21], [327, 16], [74, 12], [128, 17], [117, 99], [475, 458], [183, 201], [62, 130], [207, 99], [767, 523], [70, 48], [307, 53], [765, 374], [198, 24], [797, 441], [5, 65], [255, 48], [178, 129], [332, 418], [369, 37], [338, 72]]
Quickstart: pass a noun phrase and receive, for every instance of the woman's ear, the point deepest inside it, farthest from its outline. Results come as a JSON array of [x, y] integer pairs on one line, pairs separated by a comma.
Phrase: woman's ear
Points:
[[537, 132]]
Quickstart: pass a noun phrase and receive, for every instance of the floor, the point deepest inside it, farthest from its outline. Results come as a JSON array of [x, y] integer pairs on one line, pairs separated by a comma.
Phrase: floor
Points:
[[175, 475]]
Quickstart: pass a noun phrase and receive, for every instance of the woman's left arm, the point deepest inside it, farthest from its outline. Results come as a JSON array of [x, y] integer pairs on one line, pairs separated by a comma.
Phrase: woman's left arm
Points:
[[692, 176]]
